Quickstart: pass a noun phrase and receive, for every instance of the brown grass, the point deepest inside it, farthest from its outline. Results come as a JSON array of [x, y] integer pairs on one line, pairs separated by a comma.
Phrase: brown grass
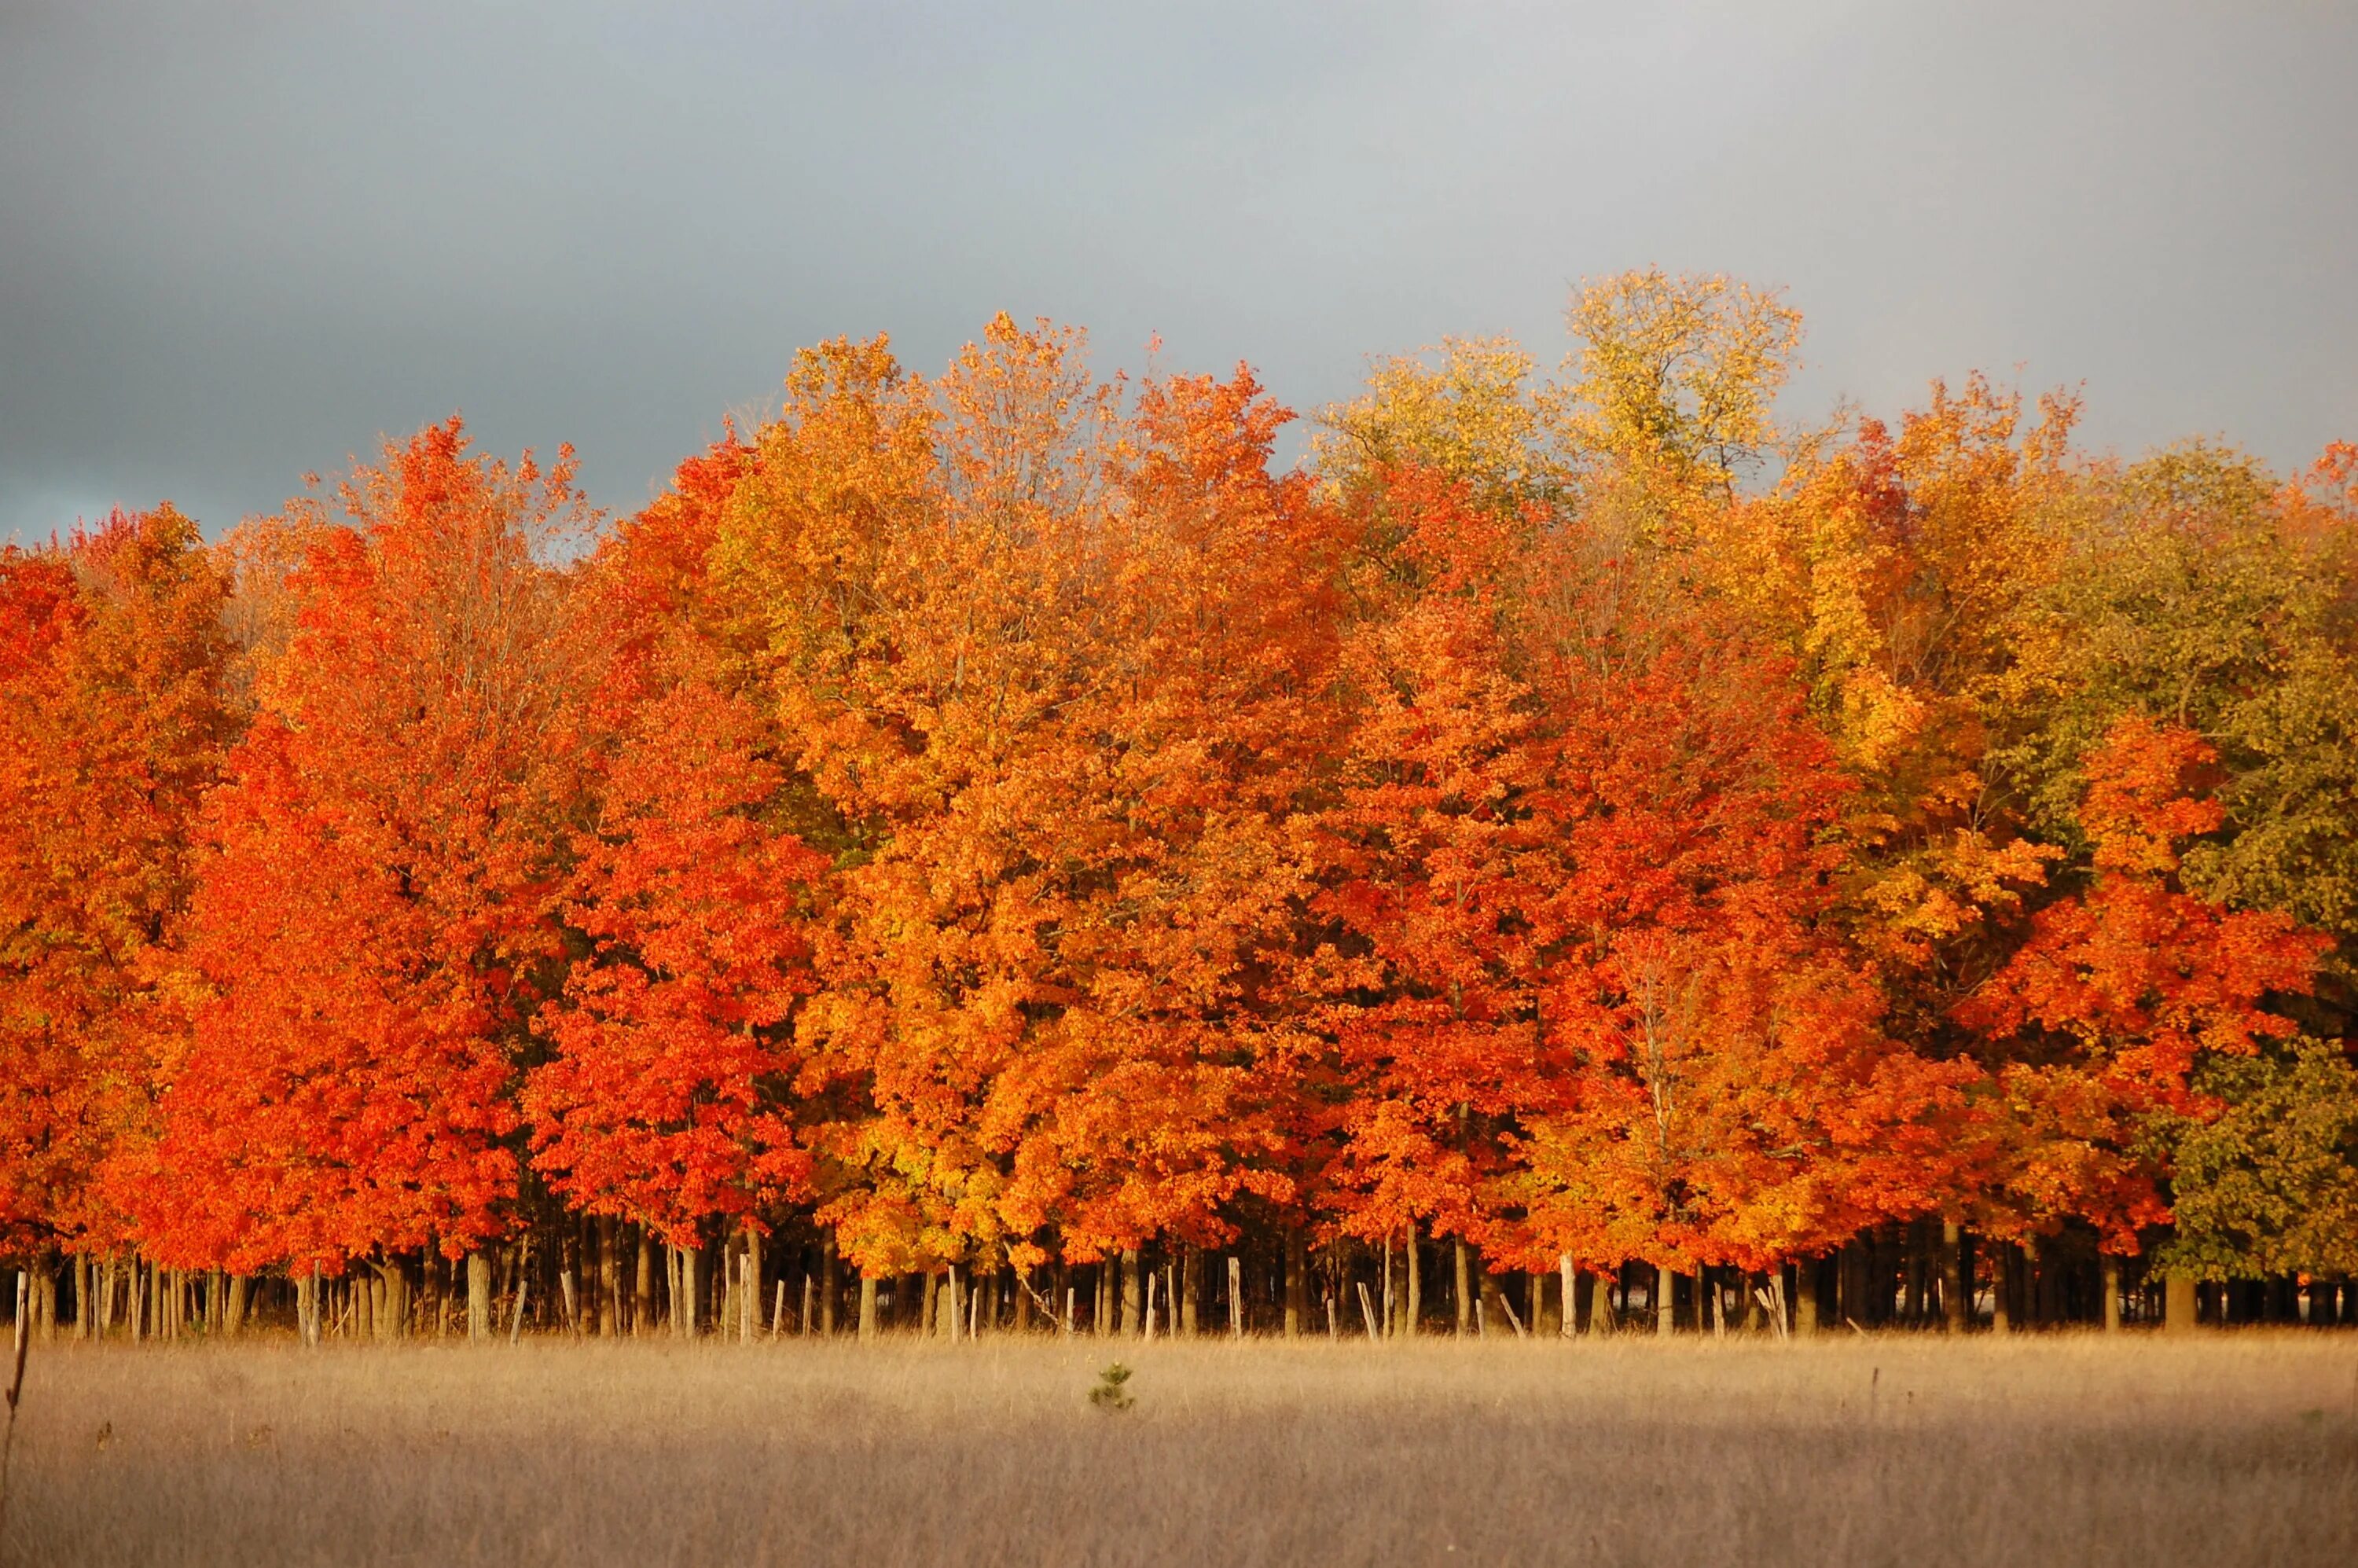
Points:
[[2069, 1450]]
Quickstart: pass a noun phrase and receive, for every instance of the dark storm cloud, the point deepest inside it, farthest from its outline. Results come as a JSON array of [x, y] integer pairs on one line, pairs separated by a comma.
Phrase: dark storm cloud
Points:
[[238, 244]]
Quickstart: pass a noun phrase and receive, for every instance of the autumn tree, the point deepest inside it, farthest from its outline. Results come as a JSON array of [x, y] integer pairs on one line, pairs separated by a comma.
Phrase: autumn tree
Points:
[[667, 1098], [2125, 989], [112, 724], [1047, 657], [369, 934]]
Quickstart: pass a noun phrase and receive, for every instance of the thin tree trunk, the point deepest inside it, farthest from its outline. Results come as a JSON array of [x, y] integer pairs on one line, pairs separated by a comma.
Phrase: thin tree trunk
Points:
[[2002, 1289], [1297, 1283], [1568, 1293], [234, 1310], [1912, 1307], [1132, 1294], [830, 1283], [1956, 1278], [1236, 1297], [1190, 1289], [610, 1279], [479, 1295], [752, 1283], [1805, 1297], [2034, 1285], [1665, 1301], [643, 1284], [1465, 1290], [1413, 1311], [2109, 1283], [866, 1306]]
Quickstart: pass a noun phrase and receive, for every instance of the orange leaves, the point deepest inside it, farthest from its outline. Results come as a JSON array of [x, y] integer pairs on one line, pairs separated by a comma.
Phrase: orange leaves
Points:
[[113, 722], [2140, 802], [1048, 657], [1578, 857], [1005, 813]]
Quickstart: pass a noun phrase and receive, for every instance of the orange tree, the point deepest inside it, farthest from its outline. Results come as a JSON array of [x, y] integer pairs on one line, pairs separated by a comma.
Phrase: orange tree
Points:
[[114, 720], [1048, 658], [369, 936]]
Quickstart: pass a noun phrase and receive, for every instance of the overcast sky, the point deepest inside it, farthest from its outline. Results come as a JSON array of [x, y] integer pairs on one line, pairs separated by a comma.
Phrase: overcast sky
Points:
[[239, 242]]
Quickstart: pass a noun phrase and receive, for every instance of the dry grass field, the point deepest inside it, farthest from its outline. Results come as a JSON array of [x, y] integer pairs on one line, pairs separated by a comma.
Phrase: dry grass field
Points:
[[2238, 1448]]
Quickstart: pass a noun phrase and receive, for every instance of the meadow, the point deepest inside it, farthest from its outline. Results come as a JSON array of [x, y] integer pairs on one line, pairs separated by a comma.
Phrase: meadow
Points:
[[2220, 1448]]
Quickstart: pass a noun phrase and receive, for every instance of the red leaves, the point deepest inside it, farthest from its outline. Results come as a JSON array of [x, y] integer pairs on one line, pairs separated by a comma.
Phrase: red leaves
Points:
[[665, 1102], [1580, 852], [2099, 1017], [382, 846]]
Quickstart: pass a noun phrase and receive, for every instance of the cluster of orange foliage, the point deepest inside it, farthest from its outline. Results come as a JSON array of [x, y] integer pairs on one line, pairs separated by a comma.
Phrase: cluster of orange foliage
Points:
[[1005, 816]]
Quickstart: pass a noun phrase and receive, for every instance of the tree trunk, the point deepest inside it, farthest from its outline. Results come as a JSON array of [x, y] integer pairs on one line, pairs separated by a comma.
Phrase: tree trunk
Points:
[[2002, 1285], [1488, 1297], [1133, 1296], [1956, 1278], [1805, 1297], [1236, 1297], [1666, 1297], [1465, 1284], [82, 1317], [1412, 1314], [643, 1283], [752, 1324], [2178, 1304], [479, 1295], [1191, 1291], [830, 1282], [1297, 1283], [234, 1310], [2109, 1272], [867, 1307], [1568, 1291], [610, 1279]]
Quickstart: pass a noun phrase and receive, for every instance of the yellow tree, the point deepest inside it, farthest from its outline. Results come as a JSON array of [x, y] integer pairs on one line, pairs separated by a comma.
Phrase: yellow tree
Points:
[[1676, 373]]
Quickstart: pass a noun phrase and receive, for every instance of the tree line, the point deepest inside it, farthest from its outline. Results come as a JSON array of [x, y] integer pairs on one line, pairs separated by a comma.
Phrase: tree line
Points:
[[1000, 850]]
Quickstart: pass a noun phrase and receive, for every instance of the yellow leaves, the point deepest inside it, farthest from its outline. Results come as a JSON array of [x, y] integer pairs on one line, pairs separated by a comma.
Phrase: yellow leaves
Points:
[[1677, 373], [1474, 416], [1950, 890]]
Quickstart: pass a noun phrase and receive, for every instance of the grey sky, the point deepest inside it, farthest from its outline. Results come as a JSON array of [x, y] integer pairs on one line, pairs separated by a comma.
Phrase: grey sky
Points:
[[239, 243]]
